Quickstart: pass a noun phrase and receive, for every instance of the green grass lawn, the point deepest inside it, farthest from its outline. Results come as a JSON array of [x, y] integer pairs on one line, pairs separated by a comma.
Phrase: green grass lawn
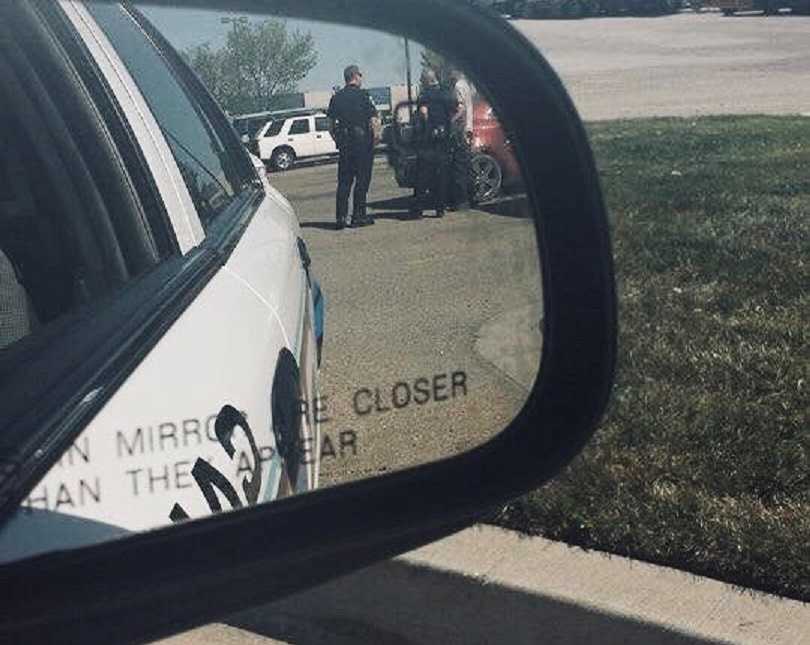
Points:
[[703, 461]]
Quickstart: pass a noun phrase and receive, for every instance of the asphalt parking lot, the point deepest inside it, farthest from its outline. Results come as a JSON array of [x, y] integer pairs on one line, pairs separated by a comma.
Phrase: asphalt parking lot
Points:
[[408, 305], [683, 65]]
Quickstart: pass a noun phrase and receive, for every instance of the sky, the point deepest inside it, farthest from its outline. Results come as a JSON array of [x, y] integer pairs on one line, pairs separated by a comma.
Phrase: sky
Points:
[[380, 56]]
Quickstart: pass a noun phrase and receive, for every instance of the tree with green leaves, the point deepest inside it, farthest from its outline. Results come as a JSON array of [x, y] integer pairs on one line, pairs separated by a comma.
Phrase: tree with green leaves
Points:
[[259, 62]]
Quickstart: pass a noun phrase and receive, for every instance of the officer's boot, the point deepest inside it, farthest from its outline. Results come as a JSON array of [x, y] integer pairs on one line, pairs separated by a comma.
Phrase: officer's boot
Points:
[[367, 219], [356, 221], [359, 217], [415, 209], [342, 211]]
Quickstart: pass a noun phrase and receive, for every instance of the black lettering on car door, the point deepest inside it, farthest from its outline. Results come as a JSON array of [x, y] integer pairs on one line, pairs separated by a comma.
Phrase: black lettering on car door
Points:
[[228, 419], [209, 479]]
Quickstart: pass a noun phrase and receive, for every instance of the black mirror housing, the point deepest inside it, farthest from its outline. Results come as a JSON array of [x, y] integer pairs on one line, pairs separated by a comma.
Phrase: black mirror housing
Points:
[[153, 584]]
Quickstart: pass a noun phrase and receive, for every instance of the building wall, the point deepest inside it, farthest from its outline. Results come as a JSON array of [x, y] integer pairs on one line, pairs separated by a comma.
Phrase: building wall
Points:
[[317, 99]]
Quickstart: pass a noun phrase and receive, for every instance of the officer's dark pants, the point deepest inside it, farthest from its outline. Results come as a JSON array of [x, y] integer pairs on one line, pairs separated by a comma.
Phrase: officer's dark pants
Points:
[[354, 167], [460, 171], [433, 162]]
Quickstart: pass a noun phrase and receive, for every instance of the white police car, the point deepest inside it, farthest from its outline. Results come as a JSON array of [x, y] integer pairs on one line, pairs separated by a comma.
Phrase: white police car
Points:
[[159, 326]]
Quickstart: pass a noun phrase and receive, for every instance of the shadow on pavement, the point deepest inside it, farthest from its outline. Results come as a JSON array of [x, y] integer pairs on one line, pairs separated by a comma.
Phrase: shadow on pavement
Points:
[[510, 206], [397, 208], [324, 226], [507, 206], [402, 216], [298, 198], [402, 203], [394, 602]]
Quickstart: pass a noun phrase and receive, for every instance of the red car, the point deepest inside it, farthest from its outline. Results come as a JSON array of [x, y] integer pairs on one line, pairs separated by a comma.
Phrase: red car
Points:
[[494, 165]]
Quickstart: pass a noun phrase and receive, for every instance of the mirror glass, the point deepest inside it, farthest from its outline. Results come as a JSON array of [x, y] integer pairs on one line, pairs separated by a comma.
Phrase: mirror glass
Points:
[[334, 345]]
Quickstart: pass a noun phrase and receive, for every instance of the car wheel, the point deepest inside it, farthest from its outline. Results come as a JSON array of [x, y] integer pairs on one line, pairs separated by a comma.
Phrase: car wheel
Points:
[[283, 159], [486, 176]]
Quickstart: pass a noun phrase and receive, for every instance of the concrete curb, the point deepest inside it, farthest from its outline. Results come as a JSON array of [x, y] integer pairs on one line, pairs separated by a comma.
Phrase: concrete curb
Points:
[[489, 585]]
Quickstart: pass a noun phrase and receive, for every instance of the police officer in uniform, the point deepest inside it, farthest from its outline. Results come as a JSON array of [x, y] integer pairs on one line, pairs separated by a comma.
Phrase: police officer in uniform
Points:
[[461, 135], [354, 126], [435, 110]]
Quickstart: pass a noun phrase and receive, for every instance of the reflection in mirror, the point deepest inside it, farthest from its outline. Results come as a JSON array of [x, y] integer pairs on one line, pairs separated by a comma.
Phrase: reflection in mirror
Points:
[[323, 354]]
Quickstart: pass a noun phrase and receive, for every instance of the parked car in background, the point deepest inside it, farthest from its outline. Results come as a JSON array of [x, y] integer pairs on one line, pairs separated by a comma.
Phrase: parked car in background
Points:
[[494, 165], [295, 136], [579, 8], [767, 7], [247, 125]]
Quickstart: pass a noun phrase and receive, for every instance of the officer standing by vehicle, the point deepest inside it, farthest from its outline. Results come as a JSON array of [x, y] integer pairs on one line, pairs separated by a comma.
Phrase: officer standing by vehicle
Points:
[[435, 110], [354, 125], [461, 135]]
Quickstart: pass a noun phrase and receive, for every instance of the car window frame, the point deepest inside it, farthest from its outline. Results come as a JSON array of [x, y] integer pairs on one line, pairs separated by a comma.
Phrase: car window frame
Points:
[[195, 87], [267, 130], [240, 173], [307, 120], [124, 138], [228, 227]]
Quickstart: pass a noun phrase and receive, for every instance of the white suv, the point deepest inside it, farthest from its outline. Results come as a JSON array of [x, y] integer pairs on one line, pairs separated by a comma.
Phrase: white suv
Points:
[[290, 137]]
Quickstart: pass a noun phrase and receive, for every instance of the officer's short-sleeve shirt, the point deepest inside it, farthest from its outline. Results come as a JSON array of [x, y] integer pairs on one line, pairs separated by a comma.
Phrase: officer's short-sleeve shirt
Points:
[[440, 104], [352, 107], [463, 93]]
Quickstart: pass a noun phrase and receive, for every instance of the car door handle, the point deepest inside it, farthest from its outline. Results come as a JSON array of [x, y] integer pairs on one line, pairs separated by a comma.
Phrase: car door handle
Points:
[[304, 255]]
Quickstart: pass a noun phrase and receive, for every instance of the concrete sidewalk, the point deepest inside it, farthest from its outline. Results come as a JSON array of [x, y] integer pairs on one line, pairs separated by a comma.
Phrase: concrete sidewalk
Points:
[[488, 585]]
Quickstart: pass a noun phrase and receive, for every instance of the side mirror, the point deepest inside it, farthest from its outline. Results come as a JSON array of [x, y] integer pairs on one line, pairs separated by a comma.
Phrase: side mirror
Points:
[[455, 364]]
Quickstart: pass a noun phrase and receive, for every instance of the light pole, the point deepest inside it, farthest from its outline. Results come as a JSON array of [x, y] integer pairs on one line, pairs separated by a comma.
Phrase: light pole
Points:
[[408, 78]]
